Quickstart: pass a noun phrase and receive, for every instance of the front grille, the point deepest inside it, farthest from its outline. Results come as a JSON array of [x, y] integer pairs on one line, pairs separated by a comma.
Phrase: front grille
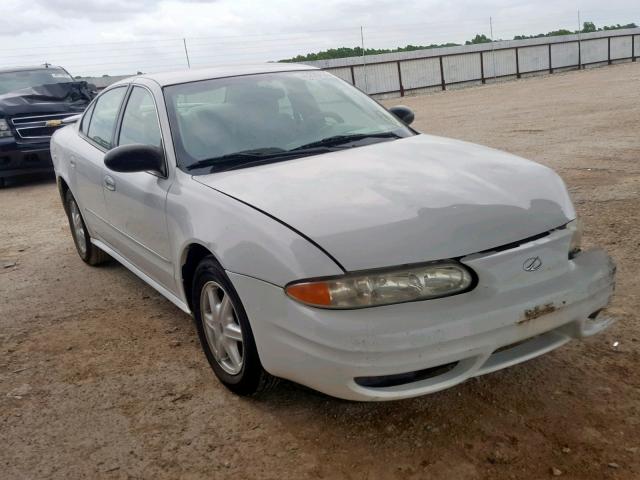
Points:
[[35, 126]]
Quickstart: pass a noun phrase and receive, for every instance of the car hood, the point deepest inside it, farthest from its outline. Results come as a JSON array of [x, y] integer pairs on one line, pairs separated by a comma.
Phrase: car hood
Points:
[[70, 97], [406, 201]]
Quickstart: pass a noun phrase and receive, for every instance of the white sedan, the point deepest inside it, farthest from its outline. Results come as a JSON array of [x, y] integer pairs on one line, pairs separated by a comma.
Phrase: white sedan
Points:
[[315, 236]]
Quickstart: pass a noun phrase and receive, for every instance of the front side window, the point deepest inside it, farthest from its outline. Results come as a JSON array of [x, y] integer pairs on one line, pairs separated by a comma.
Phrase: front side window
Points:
[[12, 81], [140, 120], [105, 114], [248, 117]]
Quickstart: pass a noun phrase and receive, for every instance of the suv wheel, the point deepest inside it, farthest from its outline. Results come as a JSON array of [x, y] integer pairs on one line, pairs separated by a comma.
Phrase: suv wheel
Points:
[[225, 333]]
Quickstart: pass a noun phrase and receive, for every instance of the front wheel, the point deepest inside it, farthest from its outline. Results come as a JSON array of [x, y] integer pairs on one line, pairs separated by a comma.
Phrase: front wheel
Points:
[[225, 333], [87, 251]]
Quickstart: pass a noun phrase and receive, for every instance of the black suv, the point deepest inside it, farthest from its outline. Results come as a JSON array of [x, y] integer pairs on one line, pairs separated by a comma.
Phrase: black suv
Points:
[[33, 103]]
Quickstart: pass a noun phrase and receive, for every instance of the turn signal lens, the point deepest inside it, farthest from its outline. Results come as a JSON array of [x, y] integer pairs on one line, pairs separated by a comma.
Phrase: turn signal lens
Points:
[[384, 287], [314, 293]]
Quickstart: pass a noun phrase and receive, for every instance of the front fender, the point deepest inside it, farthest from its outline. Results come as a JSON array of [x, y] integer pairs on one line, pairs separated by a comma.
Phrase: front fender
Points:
[[243, 239]]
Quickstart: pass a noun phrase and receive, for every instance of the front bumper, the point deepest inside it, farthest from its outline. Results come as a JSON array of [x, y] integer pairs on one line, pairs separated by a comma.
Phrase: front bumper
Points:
[[511, 316], [24, 158]]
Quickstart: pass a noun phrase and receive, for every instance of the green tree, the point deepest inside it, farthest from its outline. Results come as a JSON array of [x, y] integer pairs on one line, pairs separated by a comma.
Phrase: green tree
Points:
[[343, 52], [478, 39]]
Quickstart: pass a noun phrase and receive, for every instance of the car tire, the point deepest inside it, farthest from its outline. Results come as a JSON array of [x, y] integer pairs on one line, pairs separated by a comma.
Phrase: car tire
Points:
[[224, 332], [87, 251]]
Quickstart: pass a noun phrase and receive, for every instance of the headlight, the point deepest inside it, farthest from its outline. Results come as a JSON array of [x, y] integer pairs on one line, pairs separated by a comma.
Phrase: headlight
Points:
[[384, 287], [5, 131], [575, 226]]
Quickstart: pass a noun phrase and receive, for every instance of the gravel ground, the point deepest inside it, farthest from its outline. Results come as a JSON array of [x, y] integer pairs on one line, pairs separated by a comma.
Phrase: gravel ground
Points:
[[100, 377]]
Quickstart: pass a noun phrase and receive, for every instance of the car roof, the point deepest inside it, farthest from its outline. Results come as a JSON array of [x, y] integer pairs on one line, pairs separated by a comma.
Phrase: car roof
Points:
[[25, 69], [196, 74]]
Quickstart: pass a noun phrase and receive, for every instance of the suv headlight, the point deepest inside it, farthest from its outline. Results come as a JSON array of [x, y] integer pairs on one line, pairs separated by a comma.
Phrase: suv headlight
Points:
[[575, 227], [384, 286], [5, 131]]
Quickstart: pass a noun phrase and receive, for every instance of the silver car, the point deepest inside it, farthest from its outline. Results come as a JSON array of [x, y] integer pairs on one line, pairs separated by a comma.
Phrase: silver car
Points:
[[315, 236]]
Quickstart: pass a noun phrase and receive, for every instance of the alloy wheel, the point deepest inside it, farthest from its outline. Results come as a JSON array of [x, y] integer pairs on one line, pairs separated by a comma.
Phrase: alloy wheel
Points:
[[78, 228], [222, 328]]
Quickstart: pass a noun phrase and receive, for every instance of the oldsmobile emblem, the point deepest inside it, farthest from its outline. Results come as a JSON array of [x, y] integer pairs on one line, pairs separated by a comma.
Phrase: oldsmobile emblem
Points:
[[532, 264]]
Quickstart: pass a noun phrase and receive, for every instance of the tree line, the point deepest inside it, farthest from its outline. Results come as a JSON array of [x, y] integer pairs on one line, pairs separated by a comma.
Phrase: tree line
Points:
[[344, 52]]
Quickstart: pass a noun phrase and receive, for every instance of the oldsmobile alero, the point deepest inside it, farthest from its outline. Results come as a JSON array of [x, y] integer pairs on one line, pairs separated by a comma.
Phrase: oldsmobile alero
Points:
[[315, 236]]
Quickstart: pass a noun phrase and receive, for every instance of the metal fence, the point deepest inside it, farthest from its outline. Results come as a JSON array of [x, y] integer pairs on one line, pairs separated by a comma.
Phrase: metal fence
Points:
[[419, 71]]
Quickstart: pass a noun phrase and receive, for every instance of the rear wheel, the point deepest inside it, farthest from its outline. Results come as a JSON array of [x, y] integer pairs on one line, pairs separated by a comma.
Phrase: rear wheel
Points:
[[225, 333], [87, 251]]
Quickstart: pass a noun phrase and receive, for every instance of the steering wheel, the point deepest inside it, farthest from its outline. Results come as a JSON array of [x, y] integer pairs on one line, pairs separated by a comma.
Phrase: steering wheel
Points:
[[334, 116], [327, 126]]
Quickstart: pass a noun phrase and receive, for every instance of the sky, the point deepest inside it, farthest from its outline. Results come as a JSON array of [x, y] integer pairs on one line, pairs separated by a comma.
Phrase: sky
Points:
[[95, 37]]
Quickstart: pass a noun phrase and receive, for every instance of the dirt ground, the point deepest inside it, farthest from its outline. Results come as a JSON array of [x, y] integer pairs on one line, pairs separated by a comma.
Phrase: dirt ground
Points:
[[100, 377]]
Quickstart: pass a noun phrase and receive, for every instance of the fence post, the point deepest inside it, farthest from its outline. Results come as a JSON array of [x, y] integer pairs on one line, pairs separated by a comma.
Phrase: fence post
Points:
[[353, 76], [444, 85], [609, 50], [579, 56], [517, 62], [633, 48], [550, 62], [579, 43], [482, 67], [400, 79]]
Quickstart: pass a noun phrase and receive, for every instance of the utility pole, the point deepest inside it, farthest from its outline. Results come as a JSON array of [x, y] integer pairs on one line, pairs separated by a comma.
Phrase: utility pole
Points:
[[186, 52], [364, 61]]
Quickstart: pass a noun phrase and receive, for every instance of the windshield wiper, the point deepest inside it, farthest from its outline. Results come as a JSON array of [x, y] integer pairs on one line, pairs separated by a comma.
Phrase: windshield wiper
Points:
[[245, 155], [253, 157], [340, 139], [258, 156]]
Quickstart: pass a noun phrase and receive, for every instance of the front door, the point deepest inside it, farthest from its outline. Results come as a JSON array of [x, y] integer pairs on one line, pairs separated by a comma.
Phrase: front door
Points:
[[136, 201]]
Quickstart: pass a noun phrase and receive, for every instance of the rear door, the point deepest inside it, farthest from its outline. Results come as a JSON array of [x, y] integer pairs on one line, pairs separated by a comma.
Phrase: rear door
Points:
[[87, 164], [136, 200]]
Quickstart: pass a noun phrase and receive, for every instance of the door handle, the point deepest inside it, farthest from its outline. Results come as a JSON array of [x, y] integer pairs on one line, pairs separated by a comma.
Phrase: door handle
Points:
[[72, 163], [109, 183]]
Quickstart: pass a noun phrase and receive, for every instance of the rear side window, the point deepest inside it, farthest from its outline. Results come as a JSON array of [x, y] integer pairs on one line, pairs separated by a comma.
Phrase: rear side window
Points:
[[140, 120], [105, 114], [84, 126]]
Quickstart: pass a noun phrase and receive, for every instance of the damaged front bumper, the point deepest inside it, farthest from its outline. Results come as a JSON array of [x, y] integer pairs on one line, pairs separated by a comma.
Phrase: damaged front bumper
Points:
[[412, 349]]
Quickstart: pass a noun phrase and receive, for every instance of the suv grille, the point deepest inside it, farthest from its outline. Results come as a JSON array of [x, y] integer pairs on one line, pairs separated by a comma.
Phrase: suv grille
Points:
[[34, 127]]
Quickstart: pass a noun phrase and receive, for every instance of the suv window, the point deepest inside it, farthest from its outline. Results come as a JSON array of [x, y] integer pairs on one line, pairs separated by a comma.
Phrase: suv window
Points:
[[104, 117], [140, 120]]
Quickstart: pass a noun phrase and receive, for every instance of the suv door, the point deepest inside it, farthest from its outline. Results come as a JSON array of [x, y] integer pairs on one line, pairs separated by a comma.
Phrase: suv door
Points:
[[136, 201], [87, 163]]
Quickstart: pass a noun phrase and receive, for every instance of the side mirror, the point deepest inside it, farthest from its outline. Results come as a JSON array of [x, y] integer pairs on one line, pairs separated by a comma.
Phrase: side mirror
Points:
[[403, 113], [135, 158]]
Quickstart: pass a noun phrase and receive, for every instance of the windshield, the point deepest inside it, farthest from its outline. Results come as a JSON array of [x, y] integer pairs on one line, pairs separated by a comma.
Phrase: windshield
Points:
[[276, 115], [12, 81]]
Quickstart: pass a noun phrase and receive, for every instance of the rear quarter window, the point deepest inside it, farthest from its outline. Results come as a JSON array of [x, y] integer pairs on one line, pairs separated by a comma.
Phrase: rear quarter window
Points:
[[104, 117], [86, 119]]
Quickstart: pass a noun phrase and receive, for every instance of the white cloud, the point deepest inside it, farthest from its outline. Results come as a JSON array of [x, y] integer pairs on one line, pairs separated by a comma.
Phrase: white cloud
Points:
[[121, 36]]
